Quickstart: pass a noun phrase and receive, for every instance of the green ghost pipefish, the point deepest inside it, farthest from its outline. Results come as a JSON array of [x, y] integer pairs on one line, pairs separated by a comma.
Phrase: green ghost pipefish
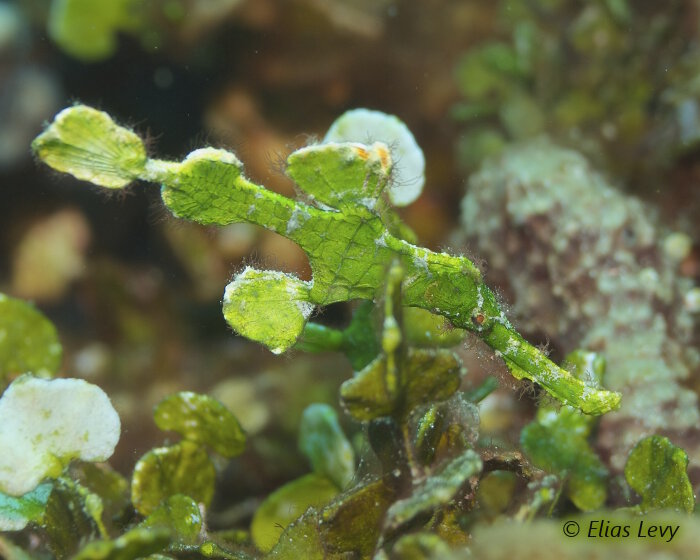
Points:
[[346, 228]]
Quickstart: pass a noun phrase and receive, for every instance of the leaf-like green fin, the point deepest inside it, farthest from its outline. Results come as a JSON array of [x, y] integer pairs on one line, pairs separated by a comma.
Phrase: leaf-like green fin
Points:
[[184, 468], [340, 174], [201, 419], [268, 307], [656, 470], [89, 145]]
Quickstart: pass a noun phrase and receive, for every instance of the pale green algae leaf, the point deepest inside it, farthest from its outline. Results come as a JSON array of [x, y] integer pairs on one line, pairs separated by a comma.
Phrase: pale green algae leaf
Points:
[[201, 419], [656, 470], [28, 341], [348, 527], [436, 491], [46, 423], [17, 512], [299, 539], [88, 30], [267, 306], [349, 248], [351, 523], [136, 543], [180, 514], [322, 440], [183, 468], [88, 144], [286, 504], [364, 125], [557, 441]]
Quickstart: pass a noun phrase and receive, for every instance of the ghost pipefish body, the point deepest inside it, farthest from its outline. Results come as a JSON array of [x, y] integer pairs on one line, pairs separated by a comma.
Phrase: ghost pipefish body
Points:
[[348, 231]]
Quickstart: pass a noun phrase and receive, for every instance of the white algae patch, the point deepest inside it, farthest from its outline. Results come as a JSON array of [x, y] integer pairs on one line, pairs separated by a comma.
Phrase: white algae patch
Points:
[[45, 423], [363, 125]]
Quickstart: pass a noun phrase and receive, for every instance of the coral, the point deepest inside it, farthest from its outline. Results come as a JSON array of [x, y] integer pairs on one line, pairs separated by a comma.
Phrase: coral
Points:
[[586, 265]]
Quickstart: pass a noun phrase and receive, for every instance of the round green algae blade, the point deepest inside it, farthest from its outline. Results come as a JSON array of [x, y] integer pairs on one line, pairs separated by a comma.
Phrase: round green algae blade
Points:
[[181, 515], [286, 504], [139, 542], [367, 126], [657, 470], [323, 442], [28, 341], [183, 468], [201, 419]]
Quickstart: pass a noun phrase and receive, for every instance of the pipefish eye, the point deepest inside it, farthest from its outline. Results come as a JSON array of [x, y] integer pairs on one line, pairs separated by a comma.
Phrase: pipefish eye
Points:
[[479, 319]]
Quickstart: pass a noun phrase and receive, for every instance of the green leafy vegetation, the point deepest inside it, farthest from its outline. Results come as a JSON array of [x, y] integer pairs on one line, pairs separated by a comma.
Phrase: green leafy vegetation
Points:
[[594, 75], [557, 441], [89, 31], [201, 419], [28, 341], [656, 470], [403, 474], [183, 468]]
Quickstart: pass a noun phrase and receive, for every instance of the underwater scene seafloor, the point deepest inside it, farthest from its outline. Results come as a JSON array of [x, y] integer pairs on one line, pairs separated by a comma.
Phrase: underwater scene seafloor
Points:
[[348, 279]]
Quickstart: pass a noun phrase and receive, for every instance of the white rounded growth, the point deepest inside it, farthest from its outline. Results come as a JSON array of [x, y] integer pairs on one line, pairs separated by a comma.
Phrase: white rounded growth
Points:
[[45, 423], [364, 125]]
